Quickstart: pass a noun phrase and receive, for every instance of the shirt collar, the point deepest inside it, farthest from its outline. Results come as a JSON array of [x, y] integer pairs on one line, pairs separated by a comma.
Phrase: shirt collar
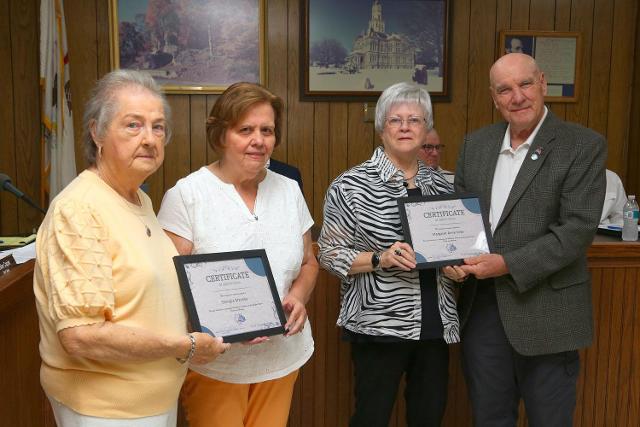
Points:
[[506, 141], [390, 173]]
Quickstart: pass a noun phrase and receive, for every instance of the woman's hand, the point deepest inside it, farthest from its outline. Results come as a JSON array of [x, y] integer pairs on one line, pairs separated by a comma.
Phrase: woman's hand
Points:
[[296, 314], [399, 255], [455, 273], [207, 348]]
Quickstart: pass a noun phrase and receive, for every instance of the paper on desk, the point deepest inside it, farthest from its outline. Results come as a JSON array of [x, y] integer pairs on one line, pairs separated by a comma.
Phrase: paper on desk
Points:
[[21, 254], [9, 241]]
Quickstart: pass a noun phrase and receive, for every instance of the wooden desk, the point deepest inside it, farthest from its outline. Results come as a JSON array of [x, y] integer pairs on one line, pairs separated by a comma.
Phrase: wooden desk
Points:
[[22, 402], [608, 387]]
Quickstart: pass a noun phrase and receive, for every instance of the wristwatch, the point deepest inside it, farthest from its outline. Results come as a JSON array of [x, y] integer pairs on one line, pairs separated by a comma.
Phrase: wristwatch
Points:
[[375, 260]]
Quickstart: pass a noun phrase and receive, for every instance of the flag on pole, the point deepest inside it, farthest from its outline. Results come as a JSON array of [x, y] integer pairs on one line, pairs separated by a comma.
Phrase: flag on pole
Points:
[[57, 145]]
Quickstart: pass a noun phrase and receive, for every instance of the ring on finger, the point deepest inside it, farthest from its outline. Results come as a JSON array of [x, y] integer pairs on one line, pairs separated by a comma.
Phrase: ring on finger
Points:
[[398, 251]]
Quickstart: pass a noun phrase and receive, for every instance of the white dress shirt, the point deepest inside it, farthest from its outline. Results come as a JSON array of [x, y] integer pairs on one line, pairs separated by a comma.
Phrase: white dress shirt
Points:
[[507, 168], [614, 201]]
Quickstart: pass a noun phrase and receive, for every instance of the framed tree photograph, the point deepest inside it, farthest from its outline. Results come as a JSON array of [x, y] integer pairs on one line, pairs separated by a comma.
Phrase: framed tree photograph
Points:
[[198, 46], [353, 50], [556, 52]]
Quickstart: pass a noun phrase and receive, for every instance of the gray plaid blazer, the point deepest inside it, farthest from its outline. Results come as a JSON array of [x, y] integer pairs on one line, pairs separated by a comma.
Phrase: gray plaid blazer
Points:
[[547, 225]]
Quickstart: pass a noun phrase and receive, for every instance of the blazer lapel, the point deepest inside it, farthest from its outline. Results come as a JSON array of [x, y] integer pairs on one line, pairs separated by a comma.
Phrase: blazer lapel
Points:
[[536, 156]]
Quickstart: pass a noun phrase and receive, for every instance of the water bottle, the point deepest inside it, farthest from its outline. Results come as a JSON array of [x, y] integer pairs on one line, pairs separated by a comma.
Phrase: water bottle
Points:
[[630, 217]]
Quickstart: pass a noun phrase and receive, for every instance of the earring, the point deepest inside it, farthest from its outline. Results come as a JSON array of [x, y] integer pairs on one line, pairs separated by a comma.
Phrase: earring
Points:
[[99, 151]]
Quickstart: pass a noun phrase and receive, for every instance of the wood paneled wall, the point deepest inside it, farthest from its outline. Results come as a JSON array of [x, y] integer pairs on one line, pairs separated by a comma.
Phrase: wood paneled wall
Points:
[[20, 111], [325, 138]]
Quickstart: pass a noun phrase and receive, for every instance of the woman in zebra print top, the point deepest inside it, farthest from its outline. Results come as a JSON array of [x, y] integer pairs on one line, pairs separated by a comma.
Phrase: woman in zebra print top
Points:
[[398, 320]]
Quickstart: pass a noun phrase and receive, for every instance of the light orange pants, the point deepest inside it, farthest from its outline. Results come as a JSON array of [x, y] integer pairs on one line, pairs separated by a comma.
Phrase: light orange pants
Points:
[[212, 403]]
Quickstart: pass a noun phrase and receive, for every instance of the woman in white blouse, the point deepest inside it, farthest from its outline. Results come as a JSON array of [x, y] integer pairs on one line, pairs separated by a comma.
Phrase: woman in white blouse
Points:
[[236, 204]]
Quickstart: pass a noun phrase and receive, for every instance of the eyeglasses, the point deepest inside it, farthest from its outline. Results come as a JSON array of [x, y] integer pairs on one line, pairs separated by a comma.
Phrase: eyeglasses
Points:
[[429, 147], [412, 122]]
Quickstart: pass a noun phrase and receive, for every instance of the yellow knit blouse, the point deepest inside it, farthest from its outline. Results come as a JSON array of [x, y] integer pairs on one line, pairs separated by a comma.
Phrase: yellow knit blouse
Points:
[[95, 262]]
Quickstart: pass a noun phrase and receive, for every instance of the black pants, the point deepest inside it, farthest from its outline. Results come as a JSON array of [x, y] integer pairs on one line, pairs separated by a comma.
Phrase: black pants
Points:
[[378, 370], [497, 376]]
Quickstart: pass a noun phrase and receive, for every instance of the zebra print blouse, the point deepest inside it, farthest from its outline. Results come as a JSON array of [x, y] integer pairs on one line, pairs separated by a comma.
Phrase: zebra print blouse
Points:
[[361, 215]]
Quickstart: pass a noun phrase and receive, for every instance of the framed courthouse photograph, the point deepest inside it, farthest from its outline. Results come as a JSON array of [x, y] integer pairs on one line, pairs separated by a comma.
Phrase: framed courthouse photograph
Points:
[[353, 50], [190, 47], [556, 52], [231, 294]]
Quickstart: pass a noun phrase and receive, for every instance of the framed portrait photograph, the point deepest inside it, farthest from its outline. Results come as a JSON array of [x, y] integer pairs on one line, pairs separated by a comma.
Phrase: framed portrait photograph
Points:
[[190, 47], [556, 52], [445, 229], [353, 50], [231, 294]]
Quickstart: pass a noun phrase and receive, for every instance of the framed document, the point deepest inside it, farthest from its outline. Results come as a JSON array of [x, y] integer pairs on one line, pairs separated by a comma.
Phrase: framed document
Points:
[[231, 294], [556, 52], [444, 229]]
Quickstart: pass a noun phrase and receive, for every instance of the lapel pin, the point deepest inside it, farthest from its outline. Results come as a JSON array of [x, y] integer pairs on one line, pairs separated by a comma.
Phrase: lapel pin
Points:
[[536, 155]]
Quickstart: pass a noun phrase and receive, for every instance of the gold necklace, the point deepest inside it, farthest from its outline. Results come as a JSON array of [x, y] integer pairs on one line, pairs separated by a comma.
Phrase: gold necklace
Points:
[[126, 202]]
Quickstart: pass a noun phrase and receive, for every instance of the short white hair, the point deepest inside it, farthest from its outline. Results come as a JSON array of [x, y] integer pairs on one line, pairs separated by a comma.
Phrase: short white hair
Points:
[[403, 93]]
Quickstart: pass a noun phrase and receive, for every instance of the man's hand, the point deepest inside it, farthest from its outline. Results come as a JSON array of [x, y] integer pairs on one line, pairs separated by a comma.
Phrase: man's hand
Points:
[[485, 266]]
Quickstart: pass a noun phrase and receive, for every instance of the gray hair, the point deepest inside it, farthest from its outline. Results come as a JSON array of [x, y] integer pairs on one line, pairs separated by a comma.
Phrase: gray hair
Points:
[[102, 106], [400, 93]]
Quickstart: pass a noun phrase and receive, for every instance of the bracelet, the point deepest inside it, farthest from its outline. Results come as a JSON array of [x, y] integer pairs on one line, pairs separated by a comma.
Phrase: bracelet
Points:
[[375, 261], [192, 350]]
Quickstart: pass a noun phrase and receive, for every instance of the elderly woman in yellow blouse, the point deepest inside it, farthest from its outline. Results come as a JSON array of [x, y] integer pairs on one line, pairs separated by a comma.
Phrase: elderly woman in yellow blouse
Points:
[[113, 328], [237, 204]]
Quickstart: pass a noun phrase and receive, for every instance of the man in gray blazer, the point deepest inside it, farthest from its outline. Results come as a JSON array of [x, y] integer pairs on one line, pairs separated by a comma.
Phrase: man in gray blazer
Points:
[[526, 308]]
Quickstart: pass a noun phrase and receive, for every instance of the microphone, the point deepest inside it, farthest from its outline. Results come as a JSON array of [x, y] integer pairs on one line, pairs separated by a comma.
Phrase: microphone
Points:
[[405, 184], [5, 183]]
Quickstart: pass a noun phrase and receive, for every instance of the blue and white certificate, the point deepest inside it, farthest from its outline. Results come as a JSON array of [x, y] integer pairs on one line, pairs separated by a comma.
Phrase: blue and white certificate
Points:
[[231, 295], [444, 229]]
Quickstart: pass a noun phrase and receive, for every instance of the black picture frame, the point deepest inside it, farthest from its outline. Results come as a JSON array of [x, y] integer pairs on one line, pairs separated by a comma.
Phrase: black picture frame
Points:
[[479, 206], [182, 261], [409, 50], [558, 53]]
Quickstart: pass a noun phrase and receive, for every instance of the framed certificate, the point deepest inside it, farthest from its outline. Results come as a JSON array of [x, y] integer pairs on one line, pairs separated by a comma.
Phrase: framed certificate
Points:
[[445, 229], [231, 294]]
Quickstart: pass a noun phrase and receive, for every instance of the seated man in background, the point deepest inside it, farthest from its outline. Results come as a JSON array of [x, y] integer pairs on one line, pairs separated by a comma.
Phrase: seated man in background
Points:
[[285, 170], [614, 200], [430, 154]]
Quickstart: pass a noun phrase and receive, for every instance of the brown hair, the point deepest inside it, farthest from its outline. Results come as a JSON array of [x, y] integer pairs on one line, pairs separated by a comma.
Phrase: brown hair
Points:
[[233, 104]]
